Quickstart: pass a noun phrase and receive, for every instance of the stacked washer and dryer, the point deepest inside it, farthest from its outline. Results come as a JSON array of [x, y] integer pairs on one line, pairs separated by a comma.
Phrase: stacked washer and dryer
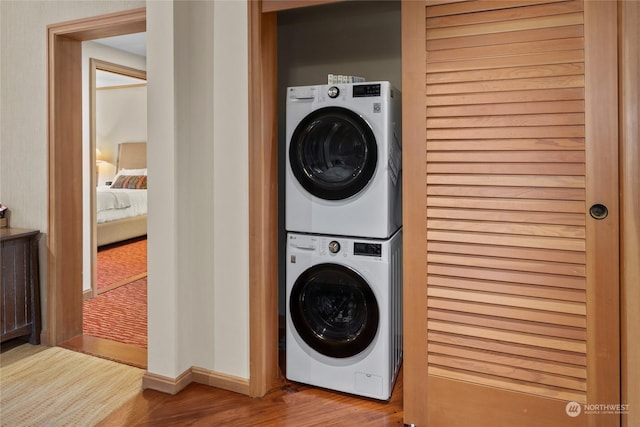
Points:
[[343, 204]]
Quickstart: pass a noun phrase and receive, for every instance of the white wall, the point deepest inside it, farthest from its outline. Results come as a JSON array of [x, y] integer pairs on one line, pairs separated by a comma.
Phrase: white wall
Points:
[[198, 259], [198, 233], [231, 187]]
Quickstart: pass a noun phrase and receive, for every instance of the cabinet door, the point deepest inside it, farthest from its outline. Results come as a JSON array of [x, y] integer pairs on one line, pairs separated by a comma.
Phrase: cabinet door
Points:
[[513, 293]]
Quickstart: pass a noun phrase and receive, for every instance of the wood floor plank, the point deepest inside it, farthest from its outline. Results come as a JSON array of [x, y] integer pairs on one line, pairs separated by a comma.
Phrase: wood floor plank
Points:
[[127, 354], [290, 405]]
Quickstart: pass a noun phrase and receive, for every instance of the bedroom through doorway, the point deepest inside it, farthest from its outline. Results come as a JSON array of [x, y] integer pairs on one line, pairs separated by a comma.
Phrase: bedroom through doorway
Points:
[[114, 304]]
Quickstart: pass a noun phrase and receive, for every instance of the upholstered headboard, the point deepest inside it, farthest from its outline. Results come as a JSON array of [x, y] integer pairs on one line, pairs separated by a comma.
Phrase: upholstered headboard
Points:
[[132, 155]]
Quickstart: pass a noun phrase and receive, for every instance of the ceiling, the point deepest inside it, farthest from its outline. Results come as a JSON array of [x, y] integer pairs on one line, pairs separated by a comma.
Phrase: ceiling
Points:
[[132, 43]]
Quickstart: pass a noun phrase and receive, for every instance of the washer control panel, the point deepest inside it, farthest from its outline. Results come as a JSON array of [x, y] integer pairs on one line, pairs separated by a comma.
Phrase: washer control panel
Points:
[[315, 245], [334, 247]]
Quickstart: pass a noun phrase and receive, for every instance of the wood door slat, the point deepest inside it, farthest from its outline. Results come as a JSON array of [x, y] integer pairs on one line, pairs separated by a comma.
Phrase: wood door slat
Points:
[[505, 26], [513, 145], [509, 360], [522, 60], [518, 277], [527, 326], [507, 216], [536, 83], [508, 132], [566, 119], [552, 230], [506, 288], [508, 180], [508, 48], [507, 97], [502, 15], [576, 169], [508, 198], [514, 108], [507, 264], [552, 355], [508, 156], [510, 301], [509, 336], [452, 8], [433, 3], [540, 242], [522, 314], [516, 36], [509, 372], [507, 73]]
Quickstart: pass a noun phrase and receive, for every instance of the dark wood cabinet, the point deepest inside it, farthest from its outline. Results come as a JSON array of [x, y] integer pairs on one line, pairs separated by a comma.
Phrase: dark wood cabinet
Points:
[[19, 285]]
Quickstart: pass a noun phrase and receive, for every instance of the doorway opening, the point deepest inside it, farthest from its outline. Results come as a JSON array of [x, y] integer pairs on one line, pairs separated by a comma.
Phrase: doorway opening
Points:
[[115, 301], [66, 228]]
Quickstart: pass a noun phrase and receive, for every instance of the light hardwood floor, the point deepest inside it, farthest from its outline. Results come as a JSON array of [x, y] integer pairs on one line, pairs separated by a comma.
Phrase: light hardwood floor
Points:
[[290, 405], [123, 353]]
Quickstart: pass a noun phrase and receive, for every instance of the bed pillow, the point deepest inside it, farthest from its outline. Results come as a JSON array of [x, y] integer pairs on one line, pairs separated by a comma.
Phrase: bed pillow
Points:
[[132, 182]]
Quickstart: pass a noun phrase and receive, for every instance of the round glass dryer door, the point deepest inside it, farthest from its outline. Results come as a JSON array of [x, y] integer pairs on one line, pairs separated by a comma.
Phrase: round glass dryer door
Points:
[[333, 153], [334, 310]]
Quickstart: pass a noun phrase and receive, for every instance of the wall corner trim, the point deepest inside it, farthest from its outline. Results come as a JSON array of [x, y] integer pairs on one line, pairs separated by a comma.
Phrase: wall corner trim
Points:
[[196, 375]]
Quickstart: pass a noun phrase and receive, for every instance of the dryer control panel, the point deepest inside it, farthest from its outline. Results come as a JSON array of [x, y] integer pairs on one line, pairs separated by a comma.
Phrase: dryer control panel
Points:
[[367, 249], [366, 90]]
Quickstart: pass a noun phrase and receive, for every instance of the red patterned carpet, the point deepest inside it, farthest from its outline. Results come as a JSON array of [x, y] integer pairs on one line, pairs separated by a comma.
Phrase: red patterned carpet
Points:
[[120, 262], [119, 314]]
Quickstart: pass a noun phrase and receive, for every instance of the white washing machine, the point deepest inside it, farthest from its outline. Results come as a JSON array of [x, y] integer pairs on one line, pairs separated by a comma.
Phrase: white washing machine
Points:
[[344, 313], [343, 169]]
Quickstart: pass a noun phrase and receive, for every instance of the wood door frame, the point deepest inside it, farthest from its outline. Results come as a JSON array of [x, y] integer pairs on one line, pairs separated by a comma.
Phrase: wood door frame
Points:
[[95, 65], [264, 372], [414, 209], [64, 237], [602, 239], [629, 16]]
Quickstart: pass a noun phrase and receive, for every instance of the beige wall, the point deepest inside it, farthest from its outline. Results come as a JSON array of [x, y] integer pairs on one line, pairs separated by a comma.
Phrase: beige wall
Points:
[[197, 115], [23, 100], [23, 106], [198, 204]]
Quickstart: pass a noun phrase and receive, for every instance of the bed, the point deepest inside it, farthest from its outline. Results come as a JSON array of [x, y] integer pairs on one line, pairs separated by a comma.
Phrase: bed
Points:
[[122, 207]]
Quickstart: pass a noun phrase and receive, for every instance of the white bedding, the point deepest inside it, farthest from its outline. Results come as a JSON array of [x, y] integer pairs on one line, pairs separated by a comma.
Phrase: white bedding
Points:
[[118, 203]]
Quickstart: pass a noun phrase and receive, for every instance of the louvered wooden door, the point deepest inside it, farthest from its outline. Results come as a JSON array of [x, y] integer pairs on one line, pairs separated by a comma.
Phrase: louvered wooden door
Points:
[[520, 285]]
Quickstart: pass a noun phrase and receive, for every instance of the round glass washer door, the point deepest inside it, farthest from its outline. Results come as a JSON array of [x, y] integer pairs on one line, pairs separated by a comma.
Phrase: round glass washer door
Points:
[[333, 153], [334, 310]]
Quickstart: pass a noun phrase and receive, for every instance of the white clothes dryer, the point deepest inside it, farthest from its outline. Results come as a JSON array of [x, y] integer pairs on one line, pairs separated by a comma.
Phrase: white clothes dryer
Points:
[[344, 313], [343, 169]]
